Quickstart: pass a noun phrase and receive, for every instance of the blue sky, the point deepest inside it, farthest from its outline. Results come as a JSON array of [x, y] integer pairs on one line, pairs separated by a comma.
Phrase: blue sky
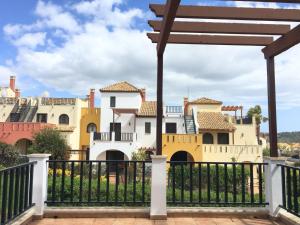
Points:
[[64, 48]]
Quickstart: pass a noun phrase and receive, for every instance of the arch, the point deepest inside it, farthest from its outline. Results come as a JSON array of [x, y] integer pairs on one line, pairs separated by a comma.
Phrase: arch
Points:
[[91, 127], [112, 154], [63, 119], [208, 138], [22, 145], [182, 156]]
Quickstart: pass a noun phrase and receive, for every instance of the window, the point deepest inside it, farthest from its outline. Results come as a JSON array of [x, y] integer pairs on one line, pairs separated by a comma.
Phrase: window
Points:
[[113, 101], [208, 138], [63, 119], [41, 118], [223, 138], [147, 128], [171, 128], [91, 128]]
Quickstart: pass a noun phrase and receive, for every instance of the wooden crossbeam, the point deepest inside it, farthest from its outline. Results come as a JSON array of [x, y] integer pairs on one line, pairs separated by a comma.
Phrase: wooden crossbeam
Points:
[[230, 13], [225, 28], [214, 39], [276, 1], [283, 43]]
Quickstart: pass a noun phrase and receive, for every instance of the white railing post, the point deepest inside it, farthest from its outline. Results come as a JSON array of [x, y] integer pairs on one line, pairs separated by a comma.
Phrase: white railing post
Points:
[[40, 182], [273, 184], [158, 208]]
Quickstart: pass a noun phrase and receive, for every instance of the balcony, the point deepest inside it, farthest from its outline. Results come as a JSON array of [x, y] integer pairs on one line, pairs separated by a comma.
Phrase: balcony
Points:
[[173, 111], [244, 120], [112, 136], [182, 139]]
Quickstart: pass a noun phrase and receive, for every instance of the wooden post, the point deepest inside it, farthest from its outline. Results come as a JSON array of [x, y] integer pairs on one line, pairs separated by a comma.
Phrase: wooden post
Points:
[[272, 107], [159, 105]]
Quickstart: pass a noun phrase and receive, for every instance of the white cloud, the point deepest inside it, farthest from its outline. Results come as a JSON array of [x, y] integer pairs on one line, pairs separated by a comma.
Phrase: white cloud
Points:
[[5, 72], [31, 40]]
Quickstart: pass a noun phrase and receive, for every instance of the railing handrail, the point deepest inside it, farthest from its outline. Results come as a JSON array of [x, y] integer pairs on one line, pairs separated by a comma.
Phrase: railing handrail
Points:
[[17, 166], [288, 166], [217, 163], [231, 145], [174, 109], [87, 161]]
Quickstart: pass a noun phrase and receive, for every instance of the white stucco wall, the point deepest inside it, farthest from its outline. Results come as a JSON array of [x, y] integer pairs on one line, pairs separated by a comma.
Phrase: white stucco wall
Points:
[[245, 134], [146, 140]]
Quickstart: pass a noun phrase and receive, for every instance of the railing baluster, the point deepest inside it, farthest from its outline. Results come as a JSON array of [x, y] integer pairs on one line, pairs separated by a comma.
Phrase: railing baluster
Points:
[[21, 203], [173, 183], [90, 181], [53, 182], [10, 194], [191, 182], [289, 196], [4, 197], [243, 182], [62, 188], [295, 192], [217, 184], [143, 182], [251, 184], [107, 182], [200, 182], [17, 190], [72, 181], [99, 182], [260, 184], [208, 182], [134, 182], [26, 187], [117, 183], [80, 181], [234, 182], [182, 183], [125, 182], [226, 182], [31, 184]]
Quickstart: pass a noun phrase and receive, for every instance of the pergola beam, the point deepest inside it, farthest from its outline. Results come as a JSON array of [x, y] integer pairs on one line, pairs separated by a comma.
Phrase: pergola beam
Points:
[[223, 28], [283, 43], [275, 1], [214, 39], [230, 13]]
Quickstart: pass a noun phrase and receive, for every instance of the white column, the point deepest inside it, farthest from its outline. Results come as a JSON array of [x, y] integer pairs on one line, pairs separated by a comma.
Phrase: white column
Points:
[[158, 208], [40, 181], [273, 183]]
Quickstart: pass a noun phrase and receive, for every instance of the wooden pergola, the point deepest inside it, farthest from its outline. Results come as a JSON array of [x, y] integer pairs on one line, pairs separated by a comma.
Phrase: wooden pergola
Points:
[[169, 30]]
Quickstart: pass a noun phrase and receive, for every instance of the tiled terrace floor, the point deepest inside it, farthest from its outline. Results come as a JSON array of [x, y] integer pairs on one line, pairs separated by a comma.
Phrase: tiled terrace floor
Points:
[[170, 221]]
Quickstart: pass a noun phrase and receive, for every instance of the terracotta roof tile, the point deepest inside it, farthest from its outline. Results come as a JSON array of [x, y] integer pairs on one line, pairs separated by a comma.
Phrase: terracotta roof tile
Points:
[[213, 121], [120, 87], [148, 109], [206, 101]]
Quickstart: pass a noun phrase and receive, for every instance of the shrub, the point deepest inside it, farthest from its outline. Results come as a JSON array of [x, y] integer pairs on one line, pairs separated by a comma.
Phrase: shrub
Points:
[[50, 141], [9, 155]]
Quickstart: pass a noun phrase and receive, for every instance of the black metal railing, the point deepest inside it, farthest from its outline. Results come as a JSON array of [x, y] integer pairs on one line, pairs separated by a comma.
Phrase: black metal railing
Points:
[[173, 109], [244, 120], [215, 184], [99, 183], [15, 191], [290, 188], [103, 136]]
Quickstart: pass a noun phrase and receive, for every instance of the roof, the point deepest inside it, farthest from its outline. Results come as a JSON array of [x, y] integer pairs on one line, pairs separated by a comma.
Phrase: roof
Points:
[[206, 101], [213, 121], [148, 109], [120, 87]]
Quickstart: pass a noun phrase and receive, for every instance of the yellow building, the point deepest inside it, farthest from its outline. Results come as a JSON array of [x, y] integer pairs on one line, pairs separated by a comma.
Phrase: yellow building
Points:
[[185, 147]]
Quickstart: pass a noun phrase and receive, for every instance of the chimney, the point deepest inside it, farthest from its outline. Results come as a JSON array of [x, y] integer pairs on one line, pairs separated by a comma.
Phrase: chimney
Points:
[[92, 98], [185, 105], [143, 94], [17, 93], [12, 83]]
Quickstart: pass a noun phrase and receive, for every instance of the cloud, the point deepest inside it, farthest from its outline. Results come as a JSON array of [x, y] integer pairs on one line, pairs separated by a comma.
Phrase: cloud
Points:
[[5, 72], [102, 45], [31, 40]]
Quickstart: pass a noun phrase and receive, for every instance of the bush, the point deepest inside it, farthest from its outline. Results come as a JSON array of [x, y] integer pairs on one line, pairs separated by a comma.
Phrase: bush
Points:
[[50, 141], [9, 155]]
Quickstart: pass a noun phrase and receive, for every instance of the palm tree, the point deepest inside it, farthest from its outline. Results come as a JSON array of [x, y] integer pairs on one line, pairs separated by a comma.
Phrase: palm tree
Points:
[[259, 118]]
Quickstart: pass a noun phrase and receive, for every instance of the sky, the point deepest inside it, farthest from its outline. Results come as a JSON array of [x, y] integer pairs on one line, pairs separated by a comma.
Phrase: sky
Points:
[[62, 48]]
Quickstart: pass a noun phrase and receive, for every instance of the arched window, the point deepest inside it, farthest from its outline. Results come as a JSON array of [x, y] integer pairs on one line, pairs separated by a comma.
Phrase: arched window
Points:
[[91, 127], [208, 138], [63, 119]]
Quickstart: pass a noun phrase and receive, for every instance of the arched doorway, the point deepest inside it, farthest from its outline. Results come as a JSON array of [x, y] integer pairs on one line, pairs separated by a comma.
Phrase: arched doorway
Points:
[[22, 145], [182, 156], [208, 138], [112, 155]]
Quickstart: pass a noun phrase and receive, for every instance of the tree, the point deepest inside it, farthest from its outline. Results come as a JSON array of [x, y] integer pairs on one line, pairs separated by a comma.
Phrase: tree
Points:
[[50, 141], [257, 114], [9, 155]]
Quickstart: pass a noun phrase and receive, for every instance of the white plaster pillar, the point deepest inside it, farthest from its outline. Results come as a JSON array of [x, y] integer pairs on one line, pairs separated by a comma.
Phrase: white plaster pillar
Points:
[[158, 208], [40, 182], [273, 183]]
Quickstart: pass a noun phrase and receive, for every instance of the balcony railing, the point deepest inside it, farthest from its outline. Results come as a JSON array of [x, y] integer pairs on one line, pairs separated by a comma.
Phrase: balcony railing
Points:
[[244, 120], [182, 138], [112, 136], [173, 109], [103, 136], [127, 137]]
